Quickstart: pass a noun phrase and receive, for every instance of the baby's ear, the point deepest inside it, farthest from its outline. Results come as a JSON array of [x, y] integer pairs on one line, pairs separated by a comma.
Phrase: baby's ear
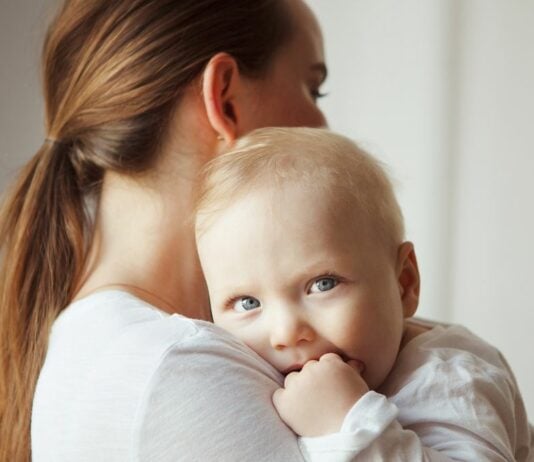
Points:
[[408, 278]]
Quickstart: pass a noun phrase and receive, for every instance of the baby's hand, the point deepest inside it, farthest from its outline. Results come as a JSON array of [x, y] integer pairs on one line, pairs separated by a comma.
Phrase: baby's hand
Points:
[[315, 401]]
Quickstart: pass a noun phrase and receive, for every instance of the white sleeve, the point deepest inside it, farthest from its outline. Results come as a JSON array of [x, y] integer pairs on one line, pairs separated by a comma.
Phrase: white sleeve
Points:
[[370, 431], [460, 412]]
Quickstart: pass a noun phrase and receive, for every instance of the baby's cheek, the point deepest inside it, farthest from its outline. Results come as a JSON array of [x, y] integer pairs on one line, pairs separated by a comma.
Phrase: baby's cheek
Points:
[[345, 332], [254, 339]]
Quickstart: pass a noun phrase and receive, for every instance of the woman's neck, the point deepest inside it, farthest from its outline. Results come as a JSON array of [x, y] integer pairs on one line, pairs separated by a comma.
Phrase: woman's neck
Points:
[[144, 232], [144, 243]]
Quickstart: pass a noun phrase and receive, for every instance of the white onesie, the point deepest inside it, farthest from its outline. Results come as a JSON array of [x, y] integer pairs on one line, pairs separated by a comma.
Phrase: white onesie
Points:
[[450, 396]]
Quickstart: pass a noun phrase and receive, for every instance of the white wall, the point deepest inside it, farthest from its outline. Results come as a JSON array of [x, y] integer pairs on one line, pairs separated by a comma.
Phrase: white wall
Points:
[[443, 91], [493, 216]]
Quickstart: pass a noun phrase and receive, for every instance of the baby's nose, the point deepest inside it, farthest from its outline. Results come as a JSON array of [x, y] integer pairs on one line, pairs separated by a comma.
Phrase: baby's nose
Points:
[[289, 328]]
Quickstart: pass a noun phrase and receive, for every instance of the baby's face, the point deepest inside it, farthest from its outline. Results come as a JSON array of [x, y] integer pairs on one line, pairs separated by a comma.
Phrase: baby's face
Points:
[[293, 282]]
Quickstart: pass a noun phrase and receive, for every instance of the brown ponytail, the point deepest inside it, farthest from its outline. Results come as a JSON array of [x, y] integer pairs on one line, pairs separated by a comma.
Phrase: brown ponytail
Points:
[[113, 72], [42, 243]]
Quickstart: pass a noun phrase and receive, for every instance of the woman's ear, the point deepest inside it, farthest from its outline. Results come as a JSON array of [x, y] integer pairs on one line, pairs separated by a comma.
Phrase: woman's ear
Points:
[[408, 278], [221, 83]]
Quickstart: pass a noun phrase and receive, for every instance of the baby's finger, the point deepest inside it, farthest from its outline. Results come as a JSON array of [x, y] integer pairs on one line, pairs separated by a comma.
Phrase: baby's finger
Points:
[[357, 365], [277, 397], [330, 357], [290, 378]]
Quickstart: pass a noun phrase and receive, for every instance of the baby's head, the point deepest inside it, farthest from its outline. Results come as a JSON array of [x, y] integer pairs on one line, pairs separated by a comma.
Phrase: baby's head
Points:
[[300, 238]]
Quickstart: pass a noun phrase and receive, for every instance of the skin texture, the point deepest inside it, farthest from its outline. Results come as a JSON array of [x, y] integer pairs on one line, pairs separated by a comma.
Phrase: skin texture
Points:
[[296, 284], [143, 235]]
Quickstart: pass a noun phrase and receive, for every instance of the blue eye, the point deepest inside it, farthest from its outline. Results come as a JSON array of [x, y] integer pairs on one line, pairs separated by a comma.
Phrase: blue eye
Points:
[[324, 284], [243, 304]]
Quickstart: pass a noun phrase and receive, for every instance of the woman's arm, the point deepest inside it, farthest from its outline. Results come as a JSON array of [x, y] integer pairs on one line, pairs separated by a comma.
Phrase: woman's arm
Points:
[[210, 399]]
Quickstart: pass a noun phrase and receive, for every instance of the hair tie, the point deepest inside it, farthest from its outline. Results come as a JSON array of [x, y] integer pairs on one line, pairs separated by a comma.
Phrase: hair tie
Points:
[[55, 141]]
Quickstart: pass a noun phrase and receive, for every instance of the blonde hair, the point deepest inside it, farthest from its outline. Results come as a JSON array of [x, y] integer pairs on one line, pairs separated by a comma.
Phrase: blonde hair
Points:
[[314, 158], [113, 72]]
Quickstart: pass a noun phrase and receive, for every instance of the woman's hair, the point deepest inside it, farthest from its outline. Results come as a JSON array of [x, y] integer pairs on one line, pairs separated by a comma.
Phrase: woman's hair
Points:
[[114, 70], [351, 181]]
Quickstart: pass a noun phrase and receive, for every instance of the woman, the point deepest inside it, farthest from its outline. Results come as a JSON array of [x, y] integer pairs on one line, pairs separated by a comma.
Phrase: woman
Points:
[[97, 242]]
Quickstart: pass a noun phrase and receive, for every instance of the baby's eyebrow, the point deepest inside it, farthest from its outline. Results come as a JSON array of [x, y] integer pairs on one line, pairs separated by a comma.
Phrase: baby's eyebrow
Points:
[[229, 290], [323, 264]]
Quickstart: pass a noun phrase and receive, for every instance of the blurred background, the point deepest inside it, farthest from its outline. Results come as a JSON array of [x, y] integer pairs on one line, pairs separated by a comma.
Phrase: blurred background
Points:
[[443, 92]]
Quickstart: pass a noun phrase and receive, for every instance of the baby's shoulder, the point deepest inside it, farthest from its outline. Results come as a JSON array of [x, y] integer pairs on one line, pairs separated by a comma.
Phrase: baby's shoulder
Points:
[[447, 358]]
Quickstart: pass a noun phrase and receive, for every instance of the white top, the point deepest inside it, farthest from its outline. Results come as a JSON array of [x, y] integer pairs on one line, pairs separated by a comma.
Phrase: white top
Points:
[[450, 396], [123, 381]]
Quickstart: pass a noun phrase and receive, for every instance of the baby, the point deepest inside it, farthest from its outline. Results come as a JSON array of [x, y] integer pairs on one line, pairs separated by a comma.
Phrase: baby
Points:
[[301, 241]]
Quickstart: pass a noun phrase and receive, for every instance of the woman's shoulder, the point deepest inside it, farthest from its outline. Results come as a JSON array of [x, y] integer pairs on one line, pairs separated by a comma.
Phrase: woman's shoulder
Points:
[[113, 313], [115, 322], [118, 366]]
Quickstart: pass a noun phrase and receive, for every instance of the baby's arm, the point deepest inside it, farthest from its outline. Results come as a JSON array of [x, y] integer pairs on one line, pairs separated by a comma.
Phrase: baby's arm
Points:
[[329, 396]]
